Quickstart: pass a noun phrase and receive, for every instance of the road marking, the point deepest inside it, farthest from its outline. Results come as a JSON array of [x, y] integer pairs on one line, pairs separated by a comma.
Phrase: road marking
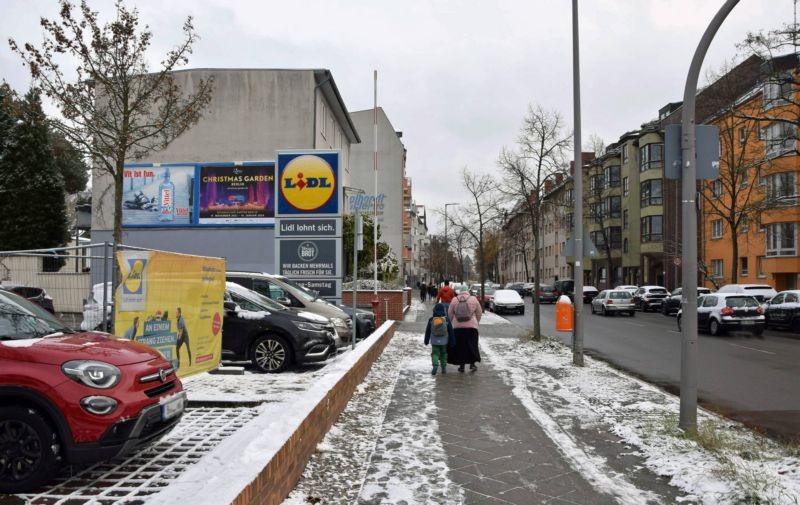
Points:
[[751, 348]]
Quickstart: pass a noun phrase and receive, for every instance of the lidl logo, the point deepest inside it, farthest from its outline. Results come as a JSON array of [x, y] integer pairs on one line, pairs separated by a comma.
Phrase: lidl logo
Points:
[[134, 278], [308, 183]]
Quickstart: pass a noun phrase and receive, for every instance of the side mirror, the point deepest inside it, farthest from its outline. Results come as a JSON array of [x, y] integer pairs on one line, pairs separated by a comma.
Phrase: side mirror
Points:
[[284, 301], [229, 306]]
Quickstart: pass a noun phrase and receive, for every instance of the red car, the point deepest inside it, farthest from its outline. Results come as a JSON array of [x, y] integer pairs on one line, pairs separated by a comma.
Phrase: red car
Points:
[[72, 397]]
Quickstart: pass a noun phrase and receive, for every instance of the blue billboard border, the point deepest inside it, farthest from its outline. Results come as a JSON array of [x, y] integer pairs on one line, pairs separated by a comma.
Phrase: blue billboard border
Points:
[[294, 153], [196, 194]]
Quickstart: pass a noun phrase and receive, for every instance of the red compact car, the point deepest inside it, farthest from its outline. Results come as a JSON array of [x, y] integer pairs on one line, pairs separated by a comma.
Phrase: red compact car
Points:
[[74, 397]]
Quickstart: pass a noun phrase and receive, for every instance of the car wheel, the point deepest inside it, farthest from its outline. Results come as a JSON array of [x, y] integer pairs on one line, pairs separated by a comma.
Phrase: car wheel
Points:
[[679, 323], [29, 456], [270, 354], [795, 326], [603, 311], [521, 312], [714, 328], [591, 307], [632, 313]]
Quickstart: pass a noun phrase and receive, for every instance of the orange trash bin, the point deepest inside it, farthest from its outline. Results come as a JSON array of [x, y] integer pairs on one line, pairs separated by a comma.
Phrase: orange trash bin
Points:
[[565, 314]]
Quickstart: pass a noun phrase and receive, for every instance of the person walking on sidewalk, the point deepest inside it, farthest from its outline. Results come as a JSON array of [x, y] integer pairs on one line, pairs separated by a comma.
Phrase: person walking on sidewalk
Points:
[[431, 290], [446, 293], [465, 312], [423, 291], [439, 333]]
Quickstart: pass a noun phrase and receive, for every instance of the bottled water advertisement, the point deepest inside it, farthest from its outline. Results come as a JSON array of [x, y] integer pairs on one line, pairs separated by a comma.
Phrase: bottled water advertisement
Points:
[[158, 196]]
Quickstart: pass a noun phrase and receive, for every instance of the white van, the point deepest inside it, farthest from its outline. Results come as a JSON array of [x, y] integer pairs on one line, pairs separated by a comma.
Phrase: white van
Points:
[[761, 292]]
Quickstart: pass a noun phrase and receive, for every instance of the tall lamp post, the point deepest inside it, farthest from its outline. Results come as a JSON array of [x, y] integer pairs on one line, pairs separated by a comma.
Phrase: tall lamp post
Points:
[[446, 243]]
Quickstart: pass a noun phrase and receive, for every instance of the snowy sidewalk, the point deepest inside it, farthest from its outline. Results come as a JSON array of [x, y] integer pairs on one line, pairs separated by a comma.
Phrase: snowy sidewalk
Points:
[[526, 428]]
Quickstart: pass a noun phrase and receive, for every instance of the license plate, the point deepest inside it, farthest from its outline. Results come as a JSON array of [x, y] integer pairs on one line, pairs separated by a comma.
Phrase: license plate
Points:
[[172, 407], [748, 323]]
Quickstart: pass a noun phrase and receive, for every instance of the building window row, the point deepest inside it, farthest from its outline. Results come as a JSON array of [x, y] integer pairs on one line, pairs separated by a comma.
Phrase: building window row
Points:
[[651, 193], [652, 228], [650, 156], [782, 239], [780, 138]]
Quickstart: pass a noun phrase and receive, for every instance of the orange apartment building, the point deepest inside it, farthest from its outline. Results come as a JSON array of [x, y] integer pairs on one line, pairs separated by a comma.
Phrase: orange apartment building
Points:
[[757, 191]]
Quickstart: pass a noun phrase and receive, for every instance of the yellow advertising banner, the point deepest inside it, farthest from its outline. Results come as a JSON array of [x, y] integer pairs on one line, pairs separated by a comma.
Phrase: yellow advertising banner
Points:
[[173, 303]]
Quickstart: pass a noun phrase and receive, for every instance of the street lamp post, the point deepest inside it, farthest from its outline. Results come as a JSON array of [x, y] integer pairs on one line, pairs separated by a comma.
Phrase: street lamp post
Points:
[[356, 220], [446, 243]]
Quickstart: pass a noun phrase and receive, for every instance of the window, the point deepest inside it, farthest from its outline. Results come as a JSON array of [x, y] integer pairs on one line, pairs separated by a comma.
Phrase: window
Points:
[[568, 196], [625, 186], [652, 229], [625, 246], [782, 239], [612, 176], [614, 236], [743, 266], [743, 182], [598, 239], [650, 156], [650, 193], [781, 186], [779, 139], [742, 135], [760, 266], [716, 228], [596, 183], [744, 224], [716, 188], [596, 212], [625, 223], [612, 206], [624, 153], [778, 90], [716, 269], [571, 220]]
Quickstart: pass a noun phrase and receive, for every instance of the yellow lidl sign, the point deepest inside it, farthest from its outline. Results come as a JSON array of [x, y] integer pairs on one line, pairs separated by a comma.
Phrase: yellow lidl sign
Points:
[[308, 183]]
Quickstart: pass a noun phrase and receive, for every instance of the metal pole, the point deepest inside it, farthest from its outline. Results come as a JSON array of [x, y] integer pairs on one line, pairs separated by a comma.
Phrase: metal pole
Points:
[[105, 288], [356, 219], [577, 337], [445, 243], [688, 410], [375, 170]]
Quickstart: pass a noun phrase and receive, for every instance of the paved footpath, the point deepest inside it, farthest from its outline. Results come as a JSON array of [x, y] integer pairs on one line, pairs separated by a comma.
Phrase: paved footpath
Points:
[[497, 454], [466, 438]]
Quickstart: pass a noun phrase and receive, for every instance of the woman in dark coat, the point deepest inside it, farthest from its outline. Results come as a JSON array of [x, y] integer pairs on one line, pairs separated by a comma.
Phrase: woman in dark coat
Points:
[[466, 332]]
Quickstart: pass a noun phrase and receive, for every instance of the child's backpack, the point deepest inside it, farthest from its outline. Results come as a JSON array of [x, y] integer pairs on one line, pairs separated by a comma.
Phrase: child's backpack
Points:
[[439, 326], [463, 311]]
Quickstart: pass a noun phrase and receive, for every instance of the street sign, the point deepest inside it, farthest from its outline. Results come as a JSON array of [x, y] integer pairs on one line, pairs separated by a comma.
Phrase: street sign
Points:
[[327, 288], [309, 257], [706, 152], [589, 249], [309, 227]]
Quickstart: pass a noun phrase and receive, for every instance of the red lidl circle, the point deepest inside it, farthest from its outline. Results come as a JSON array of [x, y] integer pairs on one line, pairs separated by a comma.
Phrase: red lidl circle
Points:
[[216, 324]]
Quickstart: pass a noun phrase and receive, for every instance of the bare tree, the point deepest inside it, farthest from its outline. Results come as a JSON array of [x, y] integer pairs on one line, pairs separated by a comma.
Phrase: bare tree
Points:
[[596, 145], [734, 198], [543, 144], [478, 216], [114, 108], [779, 50]]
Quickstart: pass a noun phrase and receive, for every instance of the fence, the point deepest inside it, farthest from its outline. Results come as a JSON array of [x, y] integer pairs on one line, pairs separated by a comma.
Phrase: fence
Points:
[[68, 281]]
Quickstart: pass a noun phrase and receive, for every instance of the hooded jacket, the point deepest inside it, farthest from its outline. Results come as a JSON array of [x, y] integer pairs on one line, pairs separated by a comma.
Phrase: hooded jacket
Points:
[[440, 309], [475, 308]]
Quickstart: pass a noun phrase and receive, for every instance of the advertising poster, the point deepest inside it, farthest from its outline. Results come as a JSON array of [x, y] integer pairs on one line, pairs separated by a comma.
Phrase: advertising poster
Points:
[[157, 196], [173, 303], [236, 195]]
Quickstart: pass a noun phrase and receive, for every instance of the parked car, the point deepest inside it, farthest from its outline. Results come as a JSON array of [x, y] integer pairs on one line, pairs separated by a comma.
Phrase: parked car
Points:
[[761, 292], [527, 288], [70, 397], [613, 301], [507, 300], [488, 295], [475, 289], [672, 304], [365, 320], [721, 312], [589, 293], [547, 294], [650, 297], [628, 287], [271, 336], [93, 308], [784, 310], [565, 287], [516, 286], [36, 295], [286, 292]]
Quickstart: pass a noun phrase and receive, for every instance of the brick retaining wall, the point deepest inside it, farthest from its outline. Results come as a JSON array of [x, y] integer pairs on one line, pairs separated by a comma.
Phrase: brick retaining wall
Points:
[[396, 301], [281, 474]]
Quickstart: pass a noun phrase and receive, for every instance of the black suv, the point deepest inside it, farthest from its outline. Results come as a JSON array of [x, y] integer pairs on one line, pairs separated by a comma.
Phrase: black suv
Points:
[[269, 335], [784, 310], [672, 304]]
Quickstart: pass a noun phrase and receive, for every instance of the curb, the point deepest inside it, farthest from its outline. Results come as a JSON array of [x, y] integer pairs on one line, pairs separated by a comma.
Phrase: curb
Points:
[[277, 479]]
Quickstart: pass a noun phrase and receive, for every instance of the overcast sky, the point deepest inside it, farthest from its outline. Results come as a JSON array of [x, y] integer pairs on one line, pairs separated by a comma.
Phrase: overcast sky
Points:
[[454, 77]]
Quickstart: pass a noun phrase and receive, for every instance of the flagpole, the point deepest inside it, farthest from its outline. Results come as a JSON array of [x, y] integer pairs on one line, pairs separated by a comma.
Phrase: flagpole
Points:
[[375, 301]]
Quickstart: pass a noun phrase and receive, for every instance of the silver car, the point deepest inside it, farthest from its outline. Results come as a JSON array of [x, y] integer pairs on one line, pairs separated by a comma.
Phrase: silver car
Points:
[[613, 301]]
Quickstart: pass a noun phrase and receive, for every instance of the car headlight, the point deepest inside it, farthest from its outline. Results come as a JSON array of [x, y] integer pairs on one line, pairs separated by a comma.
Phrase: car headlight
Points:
[[305, 325], [94, 374], [338, 321]]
